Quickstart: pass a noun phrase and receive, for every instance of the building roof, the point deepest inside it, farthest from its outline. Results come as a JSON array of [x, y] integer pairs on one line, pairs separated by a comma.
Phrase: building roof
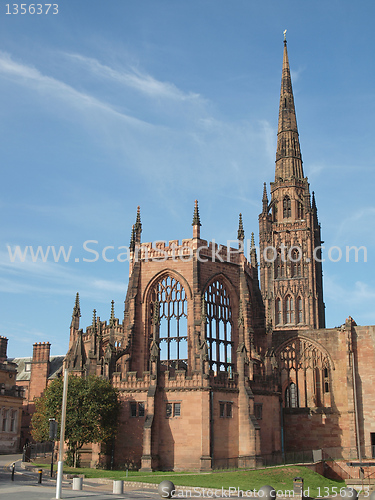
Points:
[[24, 367]]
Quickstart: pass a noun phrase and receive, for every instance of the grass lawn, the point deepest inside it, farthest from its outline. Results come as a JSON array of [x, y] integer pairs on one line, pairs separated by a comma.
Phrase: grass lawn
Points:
[[281, 478]]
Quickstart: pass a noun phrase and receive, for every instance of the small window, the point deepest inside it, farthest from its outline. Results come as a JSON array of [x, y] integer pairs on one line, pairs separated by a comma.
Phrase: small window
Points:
[[137, 409], [27, 367], [133, 409], [177, 410], [222, 409], [13, 420], [4, 426], [169, 410], [226, 409], [141, 409], [258, 410], [229, 410], [173, 410]]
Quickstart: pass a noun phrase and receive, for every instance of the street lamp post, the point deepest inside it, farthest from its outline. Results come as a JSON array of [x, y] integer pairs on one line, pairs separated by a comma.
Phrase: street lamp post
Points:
[[52, 437], [62, 437]]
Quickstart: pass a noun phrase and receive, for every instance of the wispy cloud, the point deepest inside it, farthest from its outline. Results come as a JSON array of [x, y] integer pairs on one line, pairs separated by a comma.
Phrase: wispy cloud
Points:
[[135, 79], [51, 277], [29, 76]]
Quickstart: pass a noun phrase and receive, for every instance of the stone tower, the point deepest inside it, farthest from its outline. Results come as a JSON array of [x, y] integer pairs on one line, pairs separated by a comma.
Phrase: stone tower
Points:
[[190, 359], [289, 231]]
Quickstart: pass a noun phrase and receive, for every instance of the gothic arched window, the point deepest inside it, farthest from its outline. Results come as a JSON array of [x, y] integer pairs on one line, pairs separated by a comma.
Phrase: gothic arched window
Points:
[[170, 295], [295, 262], [287, 208], [300, 310], [291, 396], [279, 315], [279, 265], [289, 309], [219, 327], [299, 210], [305, 371]]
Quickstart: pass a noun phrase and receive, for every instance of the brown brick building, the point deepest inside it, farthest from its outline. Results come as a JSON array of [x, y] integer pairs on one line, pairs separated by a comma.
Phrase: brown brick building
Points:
[[215, 368], [33, 375], [11, 398]]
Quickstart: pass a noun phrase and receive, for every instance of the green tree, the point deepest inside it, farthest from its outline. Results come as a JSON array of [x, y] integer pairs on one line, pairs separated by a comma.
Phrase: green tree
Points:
[[92, 412]]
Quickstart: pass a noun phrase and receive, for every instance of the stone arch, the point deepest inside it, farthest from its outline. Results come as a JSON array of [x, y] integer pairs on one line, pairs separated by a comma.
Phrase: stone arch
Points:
[[308, 365], [167, 291], [221, 304], [158, 276]]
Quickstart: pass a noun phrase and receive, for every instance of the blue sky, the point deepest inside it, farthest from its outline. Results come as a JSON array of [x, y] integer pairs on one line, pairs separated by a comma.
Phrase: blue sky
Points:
[[109, 105]]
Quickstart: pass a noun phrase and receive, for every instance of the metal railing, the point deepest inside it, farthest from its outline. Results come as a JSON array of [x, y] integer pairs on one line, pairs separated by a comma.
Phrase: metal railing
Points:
[[34, 450]]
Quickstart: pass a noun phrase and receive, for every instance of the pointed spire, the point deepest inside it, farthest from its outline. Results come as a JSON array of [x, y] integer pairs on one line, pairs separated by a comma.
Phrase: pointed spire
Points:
[[253, 252], [313, 202], [196, 221], [132, 240], [138, 226], [94, 321], [112, 318], [196, 218], [77, 309], [240, 232], [288, 154], [265, 199], [76, 313]]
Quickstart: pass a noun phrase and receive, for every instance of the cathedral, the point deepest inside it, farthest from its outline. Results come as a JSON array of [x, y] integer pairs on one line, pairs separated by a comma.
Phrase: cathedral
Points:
[[224, 360]]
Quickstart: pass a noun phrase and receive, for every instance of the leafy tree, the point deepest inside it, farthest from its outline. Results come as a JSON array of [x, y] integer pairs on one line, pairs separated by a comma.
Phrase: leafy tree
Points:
[[92, 411]]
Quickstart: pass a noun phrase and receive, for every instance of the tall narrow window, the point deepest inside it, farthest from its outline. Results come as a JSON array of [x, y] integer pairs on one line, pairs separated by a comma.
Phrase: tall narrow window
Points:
[[300, 310], [4, 426], [291, 396], [279, 265], [295, 262], [279, 315], [299, 210], [219, 328], [287, 208], [170, 295], [13, 420], [289, 309]]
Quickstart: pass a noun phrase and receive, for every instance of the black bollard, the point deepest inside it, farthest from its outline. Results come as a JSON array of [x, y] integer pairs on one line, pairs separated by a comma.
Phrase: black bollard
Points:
[[40, 472], [13, 468]]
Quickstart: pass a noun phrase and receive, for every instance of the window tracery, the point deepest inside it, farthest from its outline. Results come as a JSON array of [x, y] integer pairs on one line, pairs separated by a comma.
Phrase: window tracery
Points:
[[279, 315], [287, 208], [219, 327], [306, 366], [289, 309], [171, 297]]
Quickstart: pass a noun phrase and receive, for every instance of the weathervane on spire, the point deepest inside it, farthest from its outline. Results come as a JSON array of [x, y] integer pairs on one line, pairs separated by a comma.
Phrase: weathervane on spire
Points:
[[285, 35]]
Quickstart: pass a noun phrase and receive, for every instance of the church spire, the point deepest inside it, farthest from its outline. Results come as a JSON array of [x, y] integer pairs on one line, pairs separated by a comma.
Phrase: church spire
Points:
[[138, 226], [112, 318], [288, 154], [196, 221], [265, 199], [76, 313], [240, 232]]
